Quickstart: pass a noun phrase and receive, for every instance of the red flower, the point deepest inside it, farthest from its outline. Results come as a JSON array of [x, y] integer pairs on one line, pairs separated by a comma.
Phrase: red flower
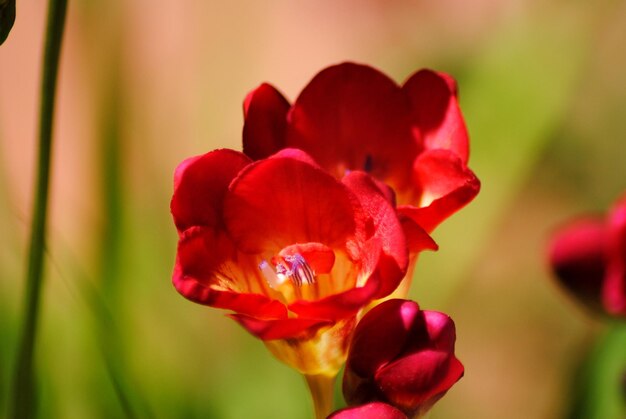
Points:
[[588, 256], [401, 356], [376, 410], [294, 252], [352, 117]]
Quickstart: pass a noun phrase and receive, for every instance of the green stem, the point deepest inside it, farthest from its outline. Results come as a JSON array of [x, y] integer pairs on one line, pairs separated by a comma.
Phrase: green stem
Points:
[[322, 388], [23, 403], [597, 391]]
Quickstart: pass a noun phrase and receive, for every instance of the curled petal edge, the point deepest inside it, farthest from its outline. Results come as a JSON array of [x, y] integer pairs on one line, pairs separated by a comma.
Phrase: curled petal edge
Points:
[[265, 122]]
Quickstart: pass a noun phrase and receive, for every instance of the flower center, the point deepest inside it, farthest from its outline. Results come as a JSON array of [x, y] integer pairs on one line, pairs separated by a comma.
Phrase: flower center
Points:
[[306, 272], [290, 267], [368, 164]]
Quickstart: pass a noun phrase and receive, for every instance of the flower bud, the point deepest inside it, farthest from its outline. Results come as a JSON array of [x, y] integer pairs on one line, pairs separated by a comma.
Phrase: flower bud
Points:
[[577, 258], [402, 356], [588, 257], [371, 410]]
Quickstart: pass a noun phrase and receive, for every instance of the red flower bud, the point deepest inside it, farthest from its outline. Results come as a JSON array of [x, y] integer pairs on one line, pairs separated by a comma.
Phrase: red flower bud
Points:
[[577, 259], [402, 356], [368, 411], [588, 256]]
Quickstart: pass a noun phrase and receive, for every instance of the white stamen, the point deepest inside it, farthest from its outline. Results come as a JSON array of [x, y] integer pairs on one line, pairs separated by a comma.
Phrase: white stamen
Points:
[[299, 272]]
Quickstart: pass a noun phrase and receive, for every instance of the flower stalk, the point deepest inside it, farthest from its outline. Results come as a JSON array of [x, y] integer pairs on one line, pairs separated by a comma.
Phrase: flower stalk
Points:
[[322, 391], [23, 402]]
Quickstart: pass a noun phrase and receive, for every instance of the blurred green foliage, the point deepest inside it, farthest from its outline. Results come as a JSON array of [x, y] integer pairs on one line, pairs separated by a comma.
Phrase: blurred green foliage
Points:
[[600, 386]]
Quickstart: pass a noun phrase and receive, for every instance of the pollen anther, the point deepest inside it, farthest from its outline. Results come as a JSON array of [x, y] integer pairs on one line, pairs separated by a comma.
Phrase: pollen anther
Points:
[[298, 271]]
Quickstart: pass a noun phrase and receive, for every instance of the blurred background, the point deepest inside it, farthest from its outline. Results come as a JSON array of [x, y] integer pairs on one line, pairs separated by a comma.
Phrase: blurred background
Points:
[[145, 84]]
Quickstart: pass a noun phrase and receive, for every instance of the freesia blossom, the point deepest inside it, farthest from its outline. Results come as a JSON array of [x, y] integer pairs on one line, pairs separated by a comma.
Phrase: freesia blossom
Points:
[[291, 250], [402, 356], [588, 256], [352, 117]]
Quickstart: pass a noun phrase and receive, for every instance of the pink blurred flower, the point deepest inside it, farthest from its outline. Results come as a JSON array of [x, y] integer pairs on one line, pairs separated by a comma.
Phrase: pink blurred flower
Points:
[[402, 356], [588, 256]]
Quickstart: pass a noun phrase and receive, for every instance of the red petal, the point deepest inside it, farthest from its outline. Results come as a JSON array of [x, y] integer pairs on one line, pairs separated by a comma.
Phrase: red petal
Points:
[[281, 201], [393, 260], [296, 154], [200, 184], [417, 239], [381, 335], [387, 191], [265, 113], [338, 306], [441, 331], [319, 257], [201, 258], [376, 410], [447, 185], [577, 256], [414, 379], [614, 291], [352, 117], [436, 112], [270, 329]]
